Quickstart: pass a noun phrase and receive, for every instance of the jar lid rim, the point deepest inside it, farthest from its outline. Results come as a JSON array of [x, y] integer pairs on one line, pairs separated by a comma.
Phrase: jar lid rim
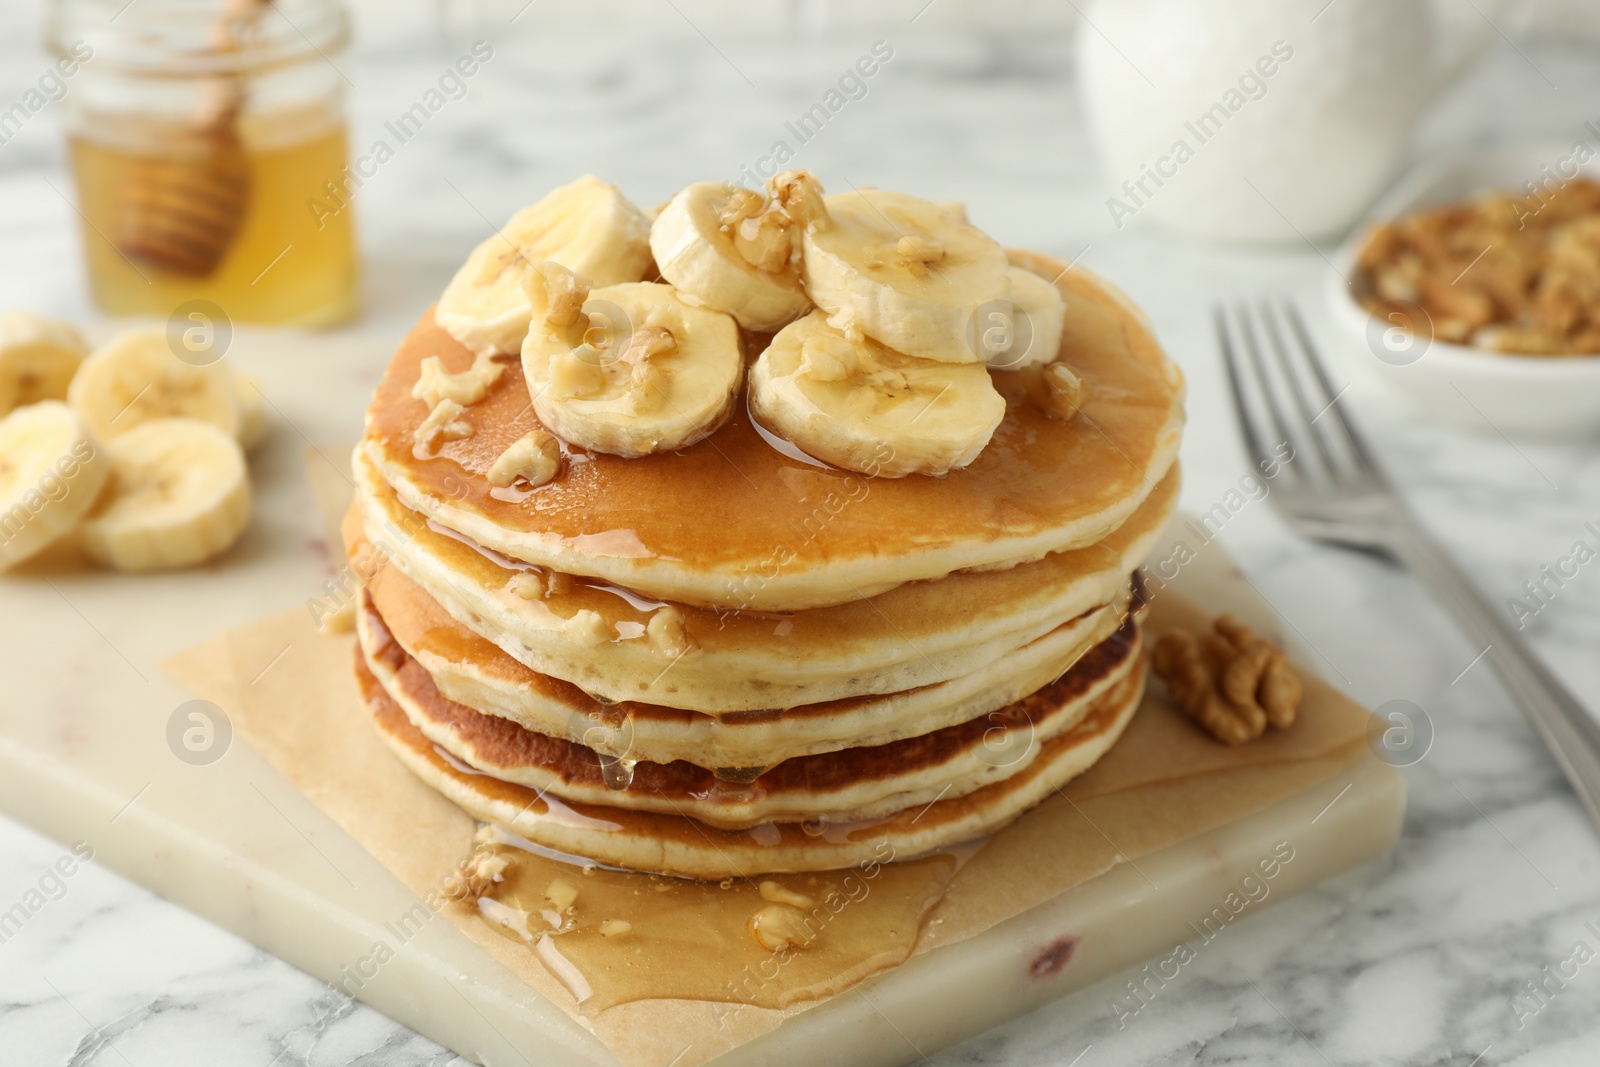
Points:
[[176, 38]]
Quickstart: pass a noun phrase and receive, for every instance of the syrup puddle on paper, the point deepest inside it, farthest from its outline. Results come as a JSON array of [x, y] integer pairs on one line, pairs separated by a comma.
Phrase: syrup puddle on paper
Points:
[[612, 936]]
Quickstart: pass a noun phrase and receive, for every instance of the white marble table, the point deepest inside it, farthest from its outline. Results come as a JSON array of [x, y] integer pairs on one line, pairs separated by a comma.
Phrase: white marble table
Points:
[[1414, 960]]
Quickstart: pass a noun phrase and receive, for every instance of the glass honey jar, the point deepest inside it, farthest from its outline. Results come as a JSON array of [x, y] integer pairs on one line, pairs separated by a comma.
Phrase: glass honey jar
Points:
[[204, 137]]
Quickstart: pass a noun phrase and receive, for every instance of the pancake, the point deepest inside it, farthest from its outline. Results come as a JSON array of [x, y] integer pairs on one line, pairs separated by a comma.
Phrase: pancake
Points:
[[736, 521], [474, 672], [853, 785], [915, 635], [679, 845]]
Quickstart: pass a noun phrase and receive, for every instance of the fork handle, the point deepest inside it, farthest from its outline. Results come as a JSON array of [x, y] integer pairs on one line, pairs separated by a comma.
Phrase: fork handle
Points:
[[1565, 726]]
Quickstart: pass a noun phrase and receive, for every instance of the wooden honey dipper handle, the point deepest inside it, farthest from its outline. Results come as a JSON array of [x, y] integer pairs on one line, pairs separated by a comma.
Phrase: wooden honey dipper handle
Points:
[[184, 201]]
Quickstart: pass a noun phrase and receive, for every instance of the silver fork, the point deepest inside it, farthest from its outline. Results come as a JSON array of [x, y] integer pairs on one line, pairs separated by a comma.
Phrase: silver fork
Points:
[[1333, 490]]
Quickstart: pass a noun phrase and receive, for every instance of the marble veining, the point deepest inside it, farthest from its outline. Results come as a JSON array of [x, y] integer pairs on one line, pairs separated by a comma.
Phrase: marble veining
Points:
[[1418, 959]]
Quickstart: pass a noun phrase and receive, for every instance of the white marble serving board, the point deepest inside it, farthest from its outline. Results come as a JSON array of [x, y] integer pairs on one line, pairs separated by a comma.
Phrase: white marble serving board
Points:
[[88, 756]]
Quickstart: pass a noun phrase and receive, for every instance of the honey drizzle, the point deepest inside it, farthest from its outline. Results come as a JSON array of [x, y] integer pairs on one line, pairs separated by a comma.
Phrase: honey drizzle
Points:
[[690, 940], [738, 487]]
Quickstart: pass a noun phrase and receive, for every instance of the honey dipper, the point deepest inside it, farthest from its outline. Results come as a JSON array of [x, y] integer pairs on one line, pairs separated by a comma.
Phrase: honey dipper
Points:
[[179, 210]]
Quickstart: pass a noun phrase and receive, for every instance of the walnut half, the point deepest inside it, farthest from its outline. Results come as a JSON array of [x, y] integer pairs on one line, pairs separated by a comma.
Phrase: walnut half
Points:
[[1231, 681]]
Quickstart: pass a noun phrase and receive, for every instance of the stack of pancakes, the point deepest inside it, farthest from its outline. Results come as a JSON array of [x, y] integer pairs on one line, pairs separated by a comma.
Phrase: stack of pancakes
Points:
[[732, 659]]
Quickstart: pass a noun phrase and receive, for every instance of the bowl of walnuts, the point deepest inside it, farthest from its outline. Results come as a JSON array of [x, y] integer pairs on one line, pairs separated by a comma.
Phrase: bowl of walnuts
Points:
[[1475, 287]]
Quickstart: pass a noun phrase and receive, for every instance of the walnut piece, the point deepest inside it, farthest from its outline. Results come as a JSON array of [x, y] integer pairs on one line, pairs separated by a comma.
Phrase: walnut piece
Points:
[[534, 457], [466, 388], [648, 342], [561, 894], [1231, 681], [578, 373], [762, 234], [527, 585], [564, 291], [589, 628], [780, 926], [477, 873], [666, 633], [799, 194], [445, 420], [1063, 391]]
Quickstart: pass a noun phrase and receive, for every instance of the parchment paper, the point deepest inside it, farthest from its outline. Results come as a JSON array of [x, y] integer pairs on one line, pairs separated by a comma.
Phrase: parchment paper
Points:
[[1163, 782]]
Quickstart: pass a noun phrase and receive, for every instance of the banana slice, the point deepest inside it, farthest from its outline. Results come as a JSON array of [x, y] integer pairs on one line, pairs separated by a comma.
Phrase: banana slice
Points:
[[179, 494], [38, 357], [1028, 332], [911, 274], [51, 472], [136, 378], [252, 405], [627, 369], [859, 405], [588, 226], [734, 250]]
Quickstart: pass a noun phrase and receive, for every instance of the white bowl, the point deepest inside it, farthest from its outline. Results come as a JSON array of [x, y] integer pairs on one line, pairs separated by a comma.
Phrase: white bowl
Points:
[[1531, 396]]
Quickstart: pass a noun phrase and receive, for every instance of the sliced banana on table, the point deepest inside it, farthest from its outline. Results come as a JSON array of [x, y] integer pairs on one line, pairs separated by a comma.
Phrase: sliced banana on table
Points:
[[734, 250], [179, 495], [137, 377], [38, 357], [51, 472], [627, 369], [587, 225], [859, 405], [1027, 333], [910, 273]]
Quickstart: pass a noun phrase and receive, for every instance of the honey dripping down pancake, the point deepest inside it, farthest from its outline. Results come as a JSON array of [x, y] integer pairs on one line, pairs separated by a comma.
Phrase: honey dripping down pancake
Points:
[[853, 785], [740, 605], [680, 845], [473, 671], [915, 635]]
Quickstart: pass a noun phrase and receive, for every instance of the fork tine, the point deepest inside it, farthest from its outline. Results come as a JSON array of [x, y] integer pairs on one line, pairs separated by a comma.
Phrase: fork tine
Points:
[[1278, 411], [1334, 410], [1230, 359], [1303, 394]]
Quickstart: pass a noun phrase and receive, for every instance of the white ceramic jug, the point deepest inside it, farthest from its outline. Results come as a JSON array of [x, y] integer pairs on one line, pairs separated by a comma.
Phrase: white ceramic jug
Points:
[[1256, 120]]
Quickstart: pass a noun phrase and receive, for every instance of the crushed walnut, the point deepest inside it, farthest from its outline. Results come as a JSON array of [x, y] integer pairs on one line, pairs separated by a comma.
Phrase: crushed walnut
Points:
[[476, 874], [1514, 272], [589, 628], [761, 232], [1230, 680], [561, 894], [649, 342], [578, 373], [565, 292], [444, 421], [799, 194], [465, 388], [534, 457], [777, 927], [527, 585], [1063, 391], [666, 633]]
